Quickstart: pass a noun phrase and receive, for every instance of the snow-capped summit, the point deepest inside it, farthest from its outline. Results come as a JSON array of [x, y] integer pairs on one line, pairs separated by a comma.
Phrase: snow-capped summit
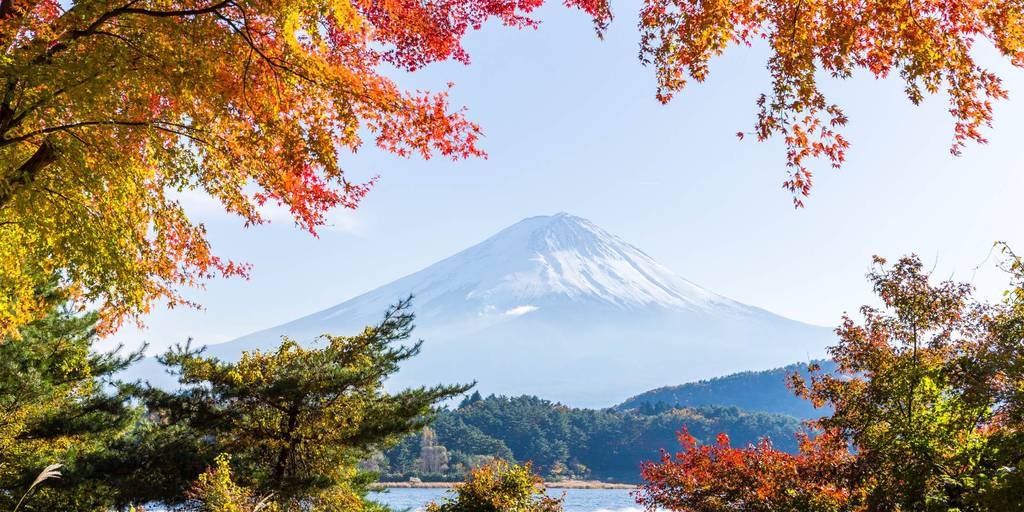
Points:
[[566, 256], [538, 262], [558, 307]]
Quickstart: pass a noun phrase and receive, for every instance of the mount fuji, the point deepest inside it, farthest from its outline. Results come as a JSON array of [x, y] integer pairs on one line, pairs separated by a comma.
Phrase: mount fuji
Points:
[[557, 307]]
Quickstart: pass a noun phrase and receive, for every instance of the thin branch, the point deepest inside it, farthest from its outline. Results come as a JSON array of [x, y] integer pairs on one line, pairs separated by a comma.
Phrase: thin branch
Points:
[[160, 125], [16, 121], [127, 9]]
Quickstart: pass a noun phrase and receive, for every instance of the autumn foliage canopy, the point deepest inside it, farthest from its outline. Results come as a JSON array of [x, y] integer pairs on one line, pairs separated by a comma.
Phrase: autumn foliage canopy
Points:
[[718, 477], [928, 44], [111, 110]]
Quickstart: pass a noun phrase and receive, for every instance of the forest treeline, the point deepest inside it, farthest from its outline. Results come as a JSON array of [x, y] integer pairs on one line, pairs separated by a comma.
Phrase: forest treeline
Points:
[[564, 442]]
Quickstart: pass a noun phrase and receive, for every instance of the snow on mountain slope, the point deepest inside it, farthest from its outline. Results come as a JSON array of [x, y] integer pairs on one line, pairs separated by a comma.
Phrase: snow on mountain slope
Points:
[[537, 263], [558, 307]]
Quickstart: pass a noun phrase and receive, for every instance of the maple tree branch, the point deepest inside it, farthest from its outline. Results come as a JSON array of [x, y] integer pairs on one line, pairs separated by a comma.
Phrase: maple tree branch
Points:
[[127, 9], [26, 173], [95, 26], [15, 121], [921, 27], [46, 153], [91, 210], [6, 112], [160, 125], [796, 18], [274, 64]]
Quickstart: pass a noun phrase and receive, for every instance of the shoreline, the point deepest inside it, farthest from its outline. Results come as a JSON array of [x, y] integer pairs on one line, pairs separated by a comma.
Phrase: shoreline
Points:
[[566, 484]]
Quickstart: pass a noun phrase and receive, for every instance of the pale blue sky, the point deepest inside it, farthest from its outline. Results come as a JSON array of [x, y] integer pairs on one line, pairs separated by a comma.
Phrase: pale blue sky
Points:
[[572, 125]]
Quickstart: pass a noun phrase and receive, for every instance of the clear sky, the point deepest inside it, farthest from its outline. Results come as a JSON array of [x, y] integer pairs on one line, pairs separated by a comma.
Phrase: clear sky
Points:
[[572, 125]]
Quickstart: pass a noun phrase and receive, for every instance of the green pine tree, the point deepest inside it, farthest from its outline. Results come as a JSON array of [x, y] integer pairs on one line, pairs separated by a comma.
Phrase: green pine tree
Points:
[[58, 408], [297, 421]]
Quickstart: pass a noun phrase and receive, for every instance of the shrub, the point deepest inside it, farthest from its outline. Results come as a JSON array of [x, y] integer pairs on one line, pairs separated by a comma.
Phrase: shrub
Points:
[[215, 491], [499, 487]]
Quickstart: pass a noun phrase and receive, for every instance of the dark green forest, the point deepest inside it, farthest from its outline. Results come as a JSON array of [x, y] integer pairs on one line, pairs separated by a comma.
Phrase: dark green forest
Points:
[[564, 442]]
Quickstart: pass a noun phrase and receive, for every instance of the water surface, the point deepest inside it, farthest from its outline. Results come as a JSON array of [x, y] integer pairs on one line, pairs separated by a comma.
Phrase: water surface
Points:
[[576, 500]]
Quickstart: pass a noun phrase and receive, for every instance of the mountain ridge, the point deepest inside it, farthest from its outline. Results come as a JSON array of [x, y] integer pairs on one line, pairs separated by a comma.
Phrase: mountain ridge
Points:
[[549, 304], [763, 391]]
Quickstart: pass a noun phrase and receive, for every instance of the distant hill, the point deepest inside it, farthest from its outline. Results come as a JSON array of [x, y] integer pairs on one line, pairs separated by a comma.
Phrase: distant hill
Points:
[[751, 391], [564, 442]]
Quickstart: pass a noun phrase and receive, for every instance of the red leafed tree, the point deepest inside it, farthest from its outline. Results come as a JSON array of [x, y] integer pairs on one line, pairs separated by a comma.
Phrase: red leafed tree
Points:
[[757, 478], [926, 43]]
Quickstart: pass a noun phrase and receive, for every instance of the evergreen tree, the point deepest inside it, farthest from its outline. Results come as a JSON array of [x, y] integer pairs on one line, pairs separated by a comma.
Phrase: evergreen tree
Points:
[[297, 421], [57, 408], [470, 400]]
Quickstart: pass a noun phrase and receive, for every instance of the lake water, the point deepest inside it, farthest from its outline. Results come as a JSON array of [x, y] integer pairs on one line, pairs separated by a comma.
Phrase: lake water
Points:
[[576, 500]]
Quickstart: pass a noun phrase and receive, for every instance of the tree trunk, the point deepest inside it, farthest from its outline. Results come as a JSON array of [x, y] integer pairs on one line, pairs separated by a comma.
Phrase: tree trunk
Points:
[[26, 173], [6, 9], [286, 450]]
